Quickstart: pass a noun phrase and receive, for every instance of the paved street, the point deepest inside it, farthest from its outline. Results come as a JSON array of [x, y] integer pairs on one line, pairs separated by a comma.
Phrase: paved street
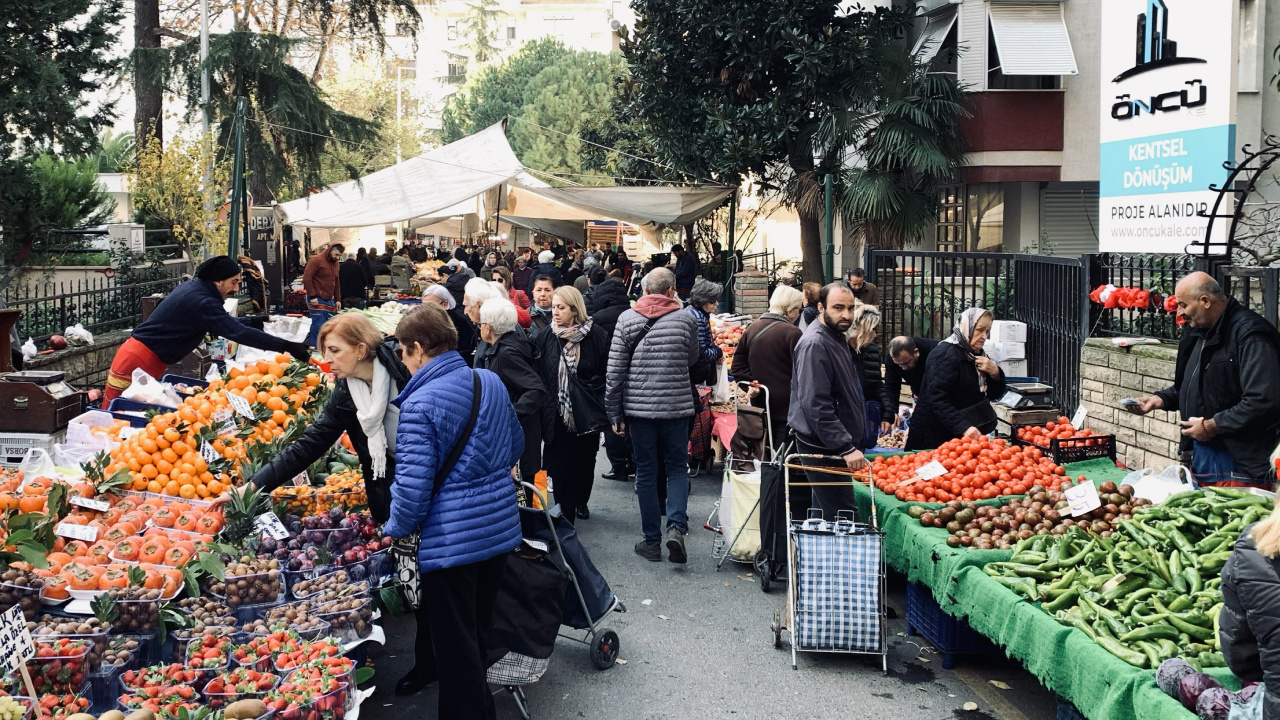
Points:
[[703, 648]]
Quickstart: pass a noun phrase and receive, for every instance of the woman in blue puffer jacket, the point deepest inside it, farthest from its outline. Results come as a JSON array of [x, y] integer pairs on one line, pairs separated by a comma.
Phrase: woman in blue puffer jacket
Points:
[[470, 524]]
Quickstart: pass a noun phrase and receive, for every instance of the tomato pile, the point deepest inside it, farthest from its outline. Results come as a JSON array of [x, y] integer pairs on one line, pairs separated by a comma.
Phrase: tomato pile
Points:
[[1061, 429], [976, 470]]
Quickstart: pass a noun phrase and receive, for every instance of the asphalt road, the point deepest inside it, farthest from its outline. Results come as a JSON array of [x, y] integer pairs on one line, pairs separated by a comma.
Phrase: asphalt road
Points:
[[702, 648]]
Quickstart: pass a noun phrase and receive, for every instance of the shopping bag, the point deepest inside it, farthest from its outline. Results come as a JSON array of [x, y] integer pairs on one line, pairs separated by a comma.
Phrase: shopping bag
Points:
[[1155, 486], [740, 513], [38, 463], [146, 389], [721, 391]]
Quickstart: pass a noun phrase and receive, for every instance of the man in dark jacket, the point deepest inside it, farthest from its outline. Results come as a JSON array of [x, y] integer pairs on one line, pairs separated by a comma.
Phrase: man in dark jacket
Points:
[[867, 293], [456, 275], [647, 390], [826, 408], [521, 274], [686, 270], [1225, 386], [907, 356], [608, 302], [546, 266], [351, 279]]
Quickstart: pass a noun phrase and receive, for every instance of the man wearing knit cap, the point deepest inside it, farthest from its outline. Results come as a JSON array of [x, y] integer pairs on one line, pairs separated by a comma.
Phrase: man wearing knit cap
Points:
[[320, 281], [179, 323]]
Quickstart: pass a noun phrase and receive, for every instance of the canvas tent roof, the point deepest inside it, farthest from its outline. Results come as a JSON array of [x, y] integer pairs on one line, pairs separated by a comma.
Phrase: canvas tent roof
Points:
[[435, 181]]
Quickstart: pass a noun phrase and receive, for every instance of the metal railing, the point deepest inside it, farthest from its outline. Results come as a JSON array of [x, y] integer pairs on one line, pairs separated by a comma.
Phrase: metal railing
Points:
[[1156, 273], [100, 305]]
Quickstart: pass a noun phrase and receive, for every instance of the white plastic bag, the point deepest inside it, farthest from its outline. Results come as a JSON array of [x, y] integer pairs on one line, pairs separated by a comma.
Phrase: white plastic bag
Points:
[[74, 455], [721, 391], [146, 389], [77, 335], [29, 349], [1158, 486], [38, 463], [289, 328]]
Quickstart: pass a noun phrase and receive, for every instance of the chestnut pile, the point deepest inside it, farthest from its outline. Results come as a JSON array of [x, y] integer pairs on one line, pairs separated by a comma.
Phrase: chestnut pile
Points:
[[1039, 512]]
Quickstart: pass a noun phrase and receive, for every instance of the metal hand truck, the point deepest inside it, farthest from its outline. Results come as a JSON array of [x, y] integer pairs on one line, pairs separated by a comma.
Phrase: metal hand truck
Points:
[[836, 579]]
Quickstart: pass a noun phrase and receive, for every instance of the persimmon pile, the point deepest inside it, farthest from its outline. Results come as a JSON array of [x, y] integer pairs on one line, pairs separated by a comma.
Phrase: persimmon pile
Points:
[[1061, 429], [976, 470]]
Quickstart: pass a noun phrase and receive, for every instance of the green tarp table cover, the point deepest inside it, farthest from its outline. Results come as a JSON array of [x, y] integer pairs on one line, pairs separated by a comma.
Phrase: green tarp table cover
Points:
[[1065, 660]]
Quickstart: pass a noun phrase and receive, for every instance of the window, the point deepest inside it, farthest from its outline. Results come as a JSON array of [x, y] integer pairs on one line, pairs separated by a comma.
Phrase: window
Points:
[[404, 29], [452, 32], [457, 73], [950, 229], [1028, 47], [970, 218], [1250, 75], [511, 32]]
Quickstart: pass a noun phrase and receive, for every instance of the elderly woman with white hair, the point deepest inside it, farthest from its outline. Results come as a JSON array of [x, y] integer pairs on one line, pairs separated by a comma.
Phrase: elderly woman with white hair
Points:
[[509, 355], [574, 357], [440, 295], [866, 361], [546, 266]]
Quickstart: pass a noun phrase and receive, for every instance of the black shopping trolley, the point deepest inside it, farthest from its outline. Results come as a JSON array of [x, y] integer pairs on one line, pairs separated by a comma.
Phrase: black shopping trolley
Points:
[[836, 578]]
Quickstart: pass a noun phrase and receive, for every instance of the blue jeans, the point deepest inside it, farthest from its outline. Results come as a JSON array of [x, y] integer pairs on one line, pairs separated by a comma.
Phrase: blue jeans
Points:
[[318, 319], [672, 438]]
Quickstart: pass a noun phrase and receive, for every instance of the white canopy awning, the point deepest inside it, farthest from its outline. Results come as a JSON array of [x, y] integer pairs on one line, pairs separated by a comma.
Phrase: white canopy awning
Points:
[[417, 187], [1031, 38], [433, 184]]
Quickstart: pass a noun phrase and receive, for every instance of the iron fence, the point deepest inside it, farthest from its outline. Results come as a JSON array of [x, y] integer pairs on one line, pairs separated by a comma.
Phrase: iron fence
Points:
[[99, 304], [922, 294], [1156, 273]]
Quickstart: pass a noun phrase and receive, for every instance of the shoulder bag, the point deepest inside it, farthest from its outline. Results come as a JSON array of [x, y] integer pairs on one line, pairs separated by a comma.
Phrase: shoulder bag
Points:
[[405, 550], [586, 399]]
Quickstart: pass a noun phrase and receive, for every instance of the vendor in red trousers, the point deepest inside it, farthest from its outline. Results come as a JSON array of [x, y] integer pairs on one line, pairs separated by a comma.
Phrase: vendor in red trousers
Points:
[[178, 325]]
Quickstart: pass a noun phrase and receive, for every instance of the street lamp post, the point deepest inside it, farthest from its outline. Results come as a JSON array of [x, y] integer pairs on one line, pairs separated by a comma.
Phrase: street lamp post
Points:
[[399, 111]]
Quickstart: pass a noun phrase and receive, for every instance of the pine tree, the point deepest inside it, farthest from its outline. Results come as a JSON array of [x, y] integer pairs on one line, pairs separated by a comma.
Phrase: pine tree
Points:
[[481, 25]]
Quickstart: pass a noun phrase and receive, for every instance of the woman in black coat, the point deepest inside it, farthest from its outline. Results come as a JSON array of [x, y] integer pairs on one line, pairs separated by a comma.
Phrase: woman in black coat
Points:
[[1249, 625], [369, 377], [866, 362], [571, 343], [959, 384], [505, 351]]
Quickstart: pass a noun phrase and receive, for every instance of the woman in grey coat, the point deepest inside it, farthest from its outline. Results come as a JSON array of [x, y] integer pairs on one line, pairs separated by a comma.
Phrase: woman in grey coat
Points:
[[1249, 626]]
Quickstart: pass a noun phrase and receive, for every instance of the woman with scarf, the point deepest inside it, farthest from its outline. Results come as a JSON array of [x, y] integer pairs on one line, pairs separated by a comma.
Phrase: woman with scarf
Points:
[[866, 361], [959, 384], [369, 376], [570, 345]]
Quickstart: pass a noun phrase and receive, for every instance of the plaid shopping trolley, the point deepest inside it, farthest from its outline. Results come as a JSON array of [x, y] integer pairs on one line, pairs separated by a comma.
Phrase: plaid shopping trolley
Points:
[[836, 591]]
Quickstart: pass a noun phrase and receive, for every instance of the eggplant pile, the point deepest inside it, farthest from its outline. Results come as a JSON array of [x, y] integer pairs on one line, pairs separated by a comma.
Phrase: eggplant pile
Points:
[[1149, 591]]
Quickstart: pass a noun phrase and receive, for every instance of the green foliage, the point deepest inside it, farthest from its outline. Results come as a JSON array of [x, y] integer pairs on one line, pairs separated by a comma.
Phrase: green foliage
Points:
[[54, 195], [543, 84], [292, 128], [117, 152], [480, 21]]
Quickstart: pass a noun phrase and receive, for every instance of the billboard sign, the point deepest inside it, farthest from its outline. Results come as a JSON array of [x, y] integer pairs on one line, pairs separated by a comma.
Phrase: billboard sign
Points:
[[1168, 120]]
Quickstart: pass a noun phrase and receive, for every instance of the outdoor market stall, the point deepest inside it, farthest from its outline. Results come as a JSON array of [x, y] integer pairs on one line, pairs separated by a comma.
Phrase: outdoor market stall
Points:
[[978, 586]]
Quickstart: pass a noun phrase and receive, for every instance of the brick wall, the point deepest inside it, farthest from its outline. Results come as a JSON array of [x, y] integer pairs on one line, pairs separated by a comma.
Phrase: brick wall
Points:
[[1109, 373], [84, 365]]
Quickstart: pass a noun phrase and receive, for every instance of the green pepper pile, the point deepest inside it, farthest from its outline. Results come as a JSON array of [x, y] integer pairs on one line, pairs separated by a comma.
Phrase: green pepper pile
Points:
[[1148, 592]]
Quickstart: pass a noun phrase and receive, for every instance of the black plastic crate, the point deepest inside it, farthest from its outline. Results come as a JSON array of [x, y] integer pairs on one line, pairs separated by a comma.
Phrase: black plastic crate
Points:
[[949, 635], [1072, 450]]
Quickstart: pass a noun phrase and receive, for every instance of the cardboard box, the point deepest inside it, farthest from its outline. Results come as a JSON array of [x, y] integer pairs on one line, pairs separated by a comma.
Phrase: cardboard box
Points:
[[1014, 368], [1006, 350], [1009, 330]]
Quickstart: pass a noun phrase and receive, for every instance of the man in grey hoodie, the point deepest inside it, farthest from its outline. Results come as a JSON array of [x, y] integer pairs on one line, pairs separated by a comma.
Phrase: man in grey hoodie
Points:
[[647, 390]]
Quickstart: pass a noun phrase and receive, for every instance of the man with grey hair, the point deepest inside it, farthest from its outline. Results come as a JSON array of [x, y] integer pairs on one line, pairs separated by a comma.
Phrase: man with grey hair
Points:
[[1225, 386], [647, 391], [510, 356]]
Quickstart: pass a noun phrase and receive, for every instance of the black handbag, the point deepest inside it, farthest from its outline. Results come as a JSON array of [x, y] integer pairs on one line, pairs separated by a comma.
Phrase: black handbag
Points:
[[586, 400], [404, 551]]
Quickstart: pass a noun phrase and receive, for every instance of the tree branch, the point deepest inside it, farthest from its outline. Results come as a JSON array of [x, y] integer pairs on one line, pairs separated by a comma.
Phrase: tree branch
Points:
[[166, 32]]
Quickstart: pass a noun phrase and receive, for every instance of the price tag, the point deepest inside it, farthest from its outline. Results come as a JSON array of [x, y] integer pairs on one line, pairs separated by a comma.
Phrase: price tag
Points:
[[209, 453], [1077, 420], [1083, 498], [931, 470], [16, 647], [240, 405], [302, 479], [87, 533], [270, 524], [1010, 399], [1114, 582], [84, 502]]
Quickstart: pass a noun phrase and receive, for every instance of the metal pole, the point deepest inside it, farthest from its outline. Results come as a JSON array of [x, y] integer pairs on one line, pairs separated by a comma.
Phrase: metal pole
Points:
[[206, 122], [732, 258], [828, 259], [237, 178]]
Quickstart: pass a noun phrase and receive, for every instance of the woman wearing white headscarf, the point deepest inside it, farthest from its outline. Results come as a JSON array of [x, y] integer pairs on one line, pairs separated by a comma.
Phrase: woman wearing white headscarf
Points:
[[959, 384]]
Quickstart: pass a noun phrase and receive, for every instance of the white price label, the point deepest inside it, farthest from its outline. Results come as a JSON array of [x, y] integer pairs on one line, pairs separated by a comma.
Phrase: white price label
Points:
[[1010, 399], [209, 453], [1077, 420], [84, 502], [270, 524], [1114, 582], [16, 647], [931, 470], [87, 533], [240, 405], [1083, 498], [302, 479]]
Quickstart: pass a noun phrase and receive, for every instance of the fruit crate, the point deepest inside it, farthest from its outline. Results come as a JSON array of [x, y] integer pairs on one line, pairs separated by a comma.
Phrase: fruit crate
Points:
[[1072, 450], [949, 635]]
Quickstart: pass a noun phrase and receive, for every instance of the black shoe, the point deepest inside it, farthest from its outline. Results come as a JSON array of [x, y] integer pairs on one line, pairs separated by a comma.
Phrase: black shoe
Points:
[[652, 553], [614, 474], [413, 683], [675, 547], [584, 513]]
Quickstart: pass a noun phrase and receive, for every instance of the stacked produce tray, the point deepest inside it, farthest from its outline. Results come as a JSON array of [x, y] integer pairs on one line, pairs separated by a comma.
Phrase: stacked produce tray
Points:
[[949, 635]]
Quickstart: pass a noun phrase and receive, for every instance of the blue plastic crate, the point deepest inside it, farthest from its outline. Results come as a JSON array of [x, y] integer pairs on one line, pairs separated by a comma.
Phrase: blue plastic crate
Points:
[[175, 379], [1067, 711], [949, 635], [127, 405]]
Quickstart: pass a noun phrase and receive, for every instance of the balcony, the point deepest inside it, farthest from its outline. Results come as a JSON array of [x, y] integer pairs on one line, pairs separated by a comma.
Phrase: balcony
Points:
[[1013, 136]]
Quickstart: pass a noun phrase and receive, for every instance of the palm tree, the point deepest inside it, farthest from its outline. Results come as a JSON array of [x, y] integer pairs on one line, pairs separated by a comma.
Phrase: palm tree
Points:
[[117, 152]]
